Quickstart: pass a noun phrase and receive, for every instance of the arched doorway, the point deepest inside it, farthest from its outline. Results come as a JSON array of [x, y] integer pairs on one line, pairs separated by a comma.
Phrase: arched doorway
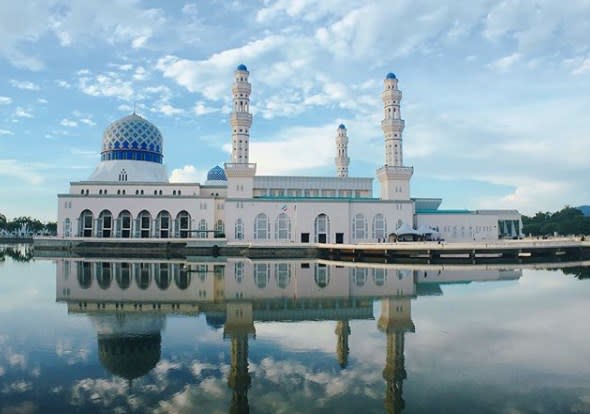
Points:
[[322, 229]]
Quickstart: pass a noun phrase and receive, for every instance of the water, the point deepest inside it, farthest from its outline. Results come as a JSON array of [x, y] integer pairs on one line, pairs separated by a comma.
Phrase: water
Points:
[[293, 336]]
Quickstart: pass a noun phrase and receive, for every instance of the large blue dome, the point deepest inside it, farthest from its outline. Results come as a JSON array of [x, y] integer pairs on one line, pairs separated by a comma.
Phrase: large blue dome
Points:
[[216, 174], [132, 138]]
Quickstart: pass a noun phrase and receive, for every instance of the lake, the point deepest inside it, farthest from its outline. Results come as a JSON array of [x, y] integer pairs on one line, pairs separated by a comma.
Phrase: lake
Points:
[[232, 335]]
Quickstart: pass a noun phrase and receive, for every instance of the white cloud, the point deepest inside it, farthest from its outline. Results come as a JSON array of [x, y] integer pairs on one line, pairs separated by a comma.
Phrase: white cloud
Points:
[[68, 123], [578, 65], [87, 121], [5, 100], [18, 170], [22, 113], [109, 85], [167, 109], [63, 84], [202, 109], [26, 85], [188, 174], [42, 100], [505, 63], [6, 132]]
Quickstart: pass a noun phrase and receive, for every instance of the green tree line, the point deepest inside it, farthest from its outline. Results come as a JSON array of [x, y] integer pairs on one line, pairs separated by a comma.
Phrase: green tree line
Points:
[[568, 220], [34, 225]]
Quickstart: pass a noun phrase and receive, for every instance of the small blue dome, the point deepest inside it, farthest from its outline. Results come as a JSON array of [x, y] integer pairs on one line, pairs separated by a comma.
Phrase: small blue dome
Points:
[[390, 75], [216, 174], [241, 66], [341, 126]]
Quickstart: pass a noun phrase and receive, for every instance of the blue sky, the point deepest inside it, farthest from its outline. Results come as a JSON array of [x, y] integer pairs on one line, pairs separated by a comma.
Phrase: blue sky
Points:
[[495, 92]]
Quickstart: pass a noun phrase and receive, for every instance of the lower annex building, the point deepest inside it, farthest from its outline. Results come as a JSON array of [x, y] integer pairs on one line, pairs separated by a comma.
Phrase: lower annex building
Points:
[[129, 195]]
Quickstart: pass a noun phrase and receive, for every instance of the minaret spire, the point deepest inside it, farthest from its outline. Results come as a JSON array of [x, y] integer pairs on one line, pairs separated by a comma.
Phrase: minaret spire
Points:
[[240, 118], [342, 160]]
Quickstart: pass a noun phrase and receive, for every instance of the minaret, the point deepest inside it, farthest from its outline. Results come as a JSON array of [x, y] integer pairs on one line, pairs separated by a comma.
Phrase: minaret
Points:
[[342, 349], [395, 321], [240, 118], [393, 176], [342, 160]]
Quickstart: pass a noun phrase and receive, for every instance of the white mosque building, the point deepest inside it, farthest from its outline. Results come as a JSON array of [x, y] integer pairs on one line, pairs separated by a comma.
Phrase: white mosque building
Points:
[[129, 196]]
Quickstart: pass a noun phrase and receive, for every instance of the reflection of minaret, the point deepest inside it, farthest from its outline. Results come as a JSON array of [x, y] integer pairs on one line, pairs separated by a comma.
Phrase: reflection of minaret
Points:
[[395, 321], [239, 326], [343, 332]]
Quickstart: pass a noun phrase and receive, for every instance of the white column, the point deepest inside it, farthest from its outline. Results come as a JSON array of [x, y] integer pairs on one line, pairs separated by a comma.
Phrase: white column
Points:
[[240, 118]]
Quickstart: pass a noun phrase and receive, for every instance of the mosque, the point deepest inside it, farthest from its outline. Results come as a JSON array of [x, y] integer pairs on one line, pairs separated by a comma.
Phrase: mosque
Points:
[[129, 196]]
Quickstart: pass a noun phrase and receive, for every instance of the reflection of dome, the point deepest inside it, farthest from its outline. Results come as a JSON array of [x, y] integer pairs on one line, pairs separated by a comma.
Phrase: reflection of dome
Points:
[[132, 138], [129, 357], [215, 320], [390, 75], [216, 176]]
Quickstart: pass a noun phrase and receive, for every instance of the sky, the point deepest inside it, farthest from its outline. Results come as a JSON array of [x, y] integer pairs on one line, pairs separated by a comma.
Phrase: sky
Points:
[[495, 93]]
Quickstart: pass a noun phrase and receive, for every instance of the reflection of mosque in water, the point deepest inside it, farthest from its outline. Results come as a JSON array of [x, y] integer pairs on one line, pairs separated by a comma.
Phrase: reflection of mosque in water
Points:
[[128, 302]]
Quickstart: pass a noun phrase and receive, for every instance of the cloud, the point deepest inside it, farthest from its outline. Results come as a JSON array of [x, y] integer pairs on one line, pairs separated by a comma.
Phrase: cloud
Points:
[[202, 109], [18, 170], [87, 121], [26, 85], [5, 100], [68, 123], [42, 100], [22, 113], [167, 109], [6, 132], [63, 84], [109, 85], [188, 174], [504, 64]]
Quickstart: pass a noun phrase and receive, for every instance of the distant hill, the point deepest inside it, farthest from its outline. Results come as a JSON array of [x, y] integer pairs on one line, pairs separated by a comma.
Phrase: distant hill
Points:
[[585, 210]]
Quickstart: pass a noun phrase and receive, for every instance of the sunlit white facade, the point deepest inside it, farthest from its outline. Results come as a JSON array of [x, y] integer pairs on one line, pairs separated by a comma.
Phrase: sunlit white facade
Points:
[[129, 196]]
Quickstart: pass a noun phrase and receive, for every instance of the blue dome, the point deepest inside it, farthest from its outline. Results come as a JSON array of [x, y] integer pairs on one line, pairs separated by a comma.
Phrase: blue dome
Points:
[[132, 138], [216, 174], [341, 126], [390, 75], [241, 66]]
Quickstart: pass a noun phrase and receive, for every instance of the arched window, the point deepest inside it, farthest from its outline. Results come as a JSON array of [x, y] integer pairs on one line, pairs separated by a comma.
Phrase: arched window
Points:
[[239, 229], [283, 275], [183, 225], [143, 275], [261, 275], [162, 276], [86, 223], [379, 277], [124, 223], [322, 229], [163, 225], [202, 227], [379, 228], [321, 275], [144, 223], [359, 276], [105, 224], [261, 227], [359, 227], [219, 228], [283, 227]]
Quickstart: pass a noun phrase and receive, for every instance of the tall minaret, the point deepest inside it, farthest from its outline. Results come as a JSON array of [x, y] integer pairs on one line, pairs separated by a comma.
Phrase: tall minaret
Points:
[[393, 176], [342, 159], [241, 119]]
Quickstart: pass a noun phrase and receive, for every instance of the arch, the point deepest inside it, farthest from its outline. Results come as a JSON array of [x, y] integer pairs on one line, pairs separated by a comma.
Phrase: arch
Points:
[[182, 279], [84, 274], [202, 229], [379, 276], [163, 224], [143, 275], [219, 228], [261, 274], [86, 223], [162, 277], [239, 229], [144, 224], [123, 275], [359, 276], [359, 227], [261, 227], [321, 275], [125, 224], [104, 275], [321, 227], [105, 224], [283, 227], [183, 224], [283, 275], [379, 227]]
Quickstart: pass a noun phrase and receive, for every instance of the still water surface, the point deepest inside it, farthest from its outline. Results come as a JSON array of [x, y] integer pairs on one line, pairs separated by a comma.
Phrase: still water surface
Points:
[[234, 335]]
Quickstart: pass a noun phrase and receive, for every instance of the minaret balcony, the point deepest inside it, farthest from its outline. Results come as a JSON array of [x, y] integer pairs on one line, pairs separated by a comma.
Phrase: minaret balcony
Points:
[[241, 117], [391, 123]]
